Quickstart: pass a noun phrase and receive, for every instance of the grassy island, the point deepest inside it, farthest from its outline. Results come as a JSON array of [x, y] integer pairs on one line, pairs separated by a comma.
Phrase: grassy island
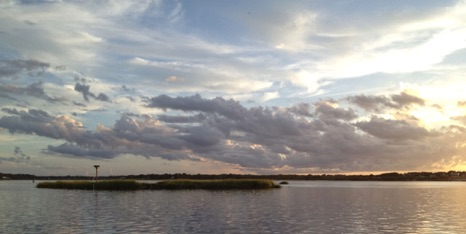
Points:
[[216, 184], [227, 184], [93, 185]]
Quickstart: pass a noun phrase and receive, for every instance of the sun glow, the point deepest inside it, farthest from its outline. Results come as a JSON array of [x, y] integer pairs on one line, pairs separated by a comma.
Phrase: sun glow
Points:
[[441, 102]]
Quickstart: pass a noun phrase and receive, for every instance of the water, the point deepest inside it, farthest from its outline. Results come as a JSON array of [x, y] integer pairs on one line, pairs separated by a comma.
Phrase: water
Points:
[[300, 207]]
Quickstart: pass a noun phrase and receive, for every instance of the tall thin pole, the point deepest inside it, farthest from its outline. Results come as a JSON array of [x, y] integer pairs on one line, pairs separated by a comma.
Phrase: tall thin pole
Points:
[[96, 171]]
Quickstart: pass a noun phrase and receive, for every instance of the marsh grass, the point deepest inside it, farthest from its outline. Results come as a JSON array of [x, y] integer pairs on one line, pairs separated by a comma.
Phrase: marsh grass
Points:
[[92, 185], [226, 184]]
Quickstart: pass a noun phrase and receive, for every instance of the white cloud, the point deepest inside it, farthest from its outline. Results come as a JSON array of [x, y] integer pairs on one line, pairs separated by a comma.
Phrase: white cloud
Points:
[[270, 95]]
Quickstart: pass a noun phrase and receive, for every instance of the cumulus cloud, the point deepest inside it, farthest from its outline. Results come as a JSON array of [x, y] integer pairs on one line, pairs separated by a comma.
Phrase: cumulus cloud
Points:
[[267, 137], [325, 136]]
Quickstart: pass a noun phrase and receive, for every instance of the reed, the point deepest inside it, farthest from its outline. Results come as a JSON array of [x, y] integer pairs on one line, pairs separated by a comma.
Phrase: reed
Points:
[[227, 184], [92, 185]]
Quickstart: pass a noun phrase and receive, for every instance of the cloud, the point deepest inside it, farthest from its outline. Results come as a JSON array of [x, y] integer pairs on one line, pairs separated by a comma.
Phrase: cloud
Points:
[[302, 109], [84, 89], [10, 68], [262, 138], [461, 119], [273, 138], [325, 111], [19, 157], [229, 108], [290, 58], [128, 136], [35, 90], [379, 103], [404, 99], [394, 130]]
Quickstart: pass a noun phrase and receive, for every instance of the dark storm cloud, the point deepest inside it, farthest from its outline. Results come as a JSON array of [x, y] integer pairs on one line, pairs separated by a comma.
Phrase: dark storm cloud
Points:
[[14, 67], [84, 90], [379, 103]]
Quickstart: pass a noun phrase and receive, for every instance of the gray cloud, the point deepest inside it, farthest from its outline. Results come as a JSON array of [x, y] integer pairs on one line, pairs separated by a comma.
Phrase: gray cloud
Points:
[[13, 67], [19, 157], [182, 119], [326, 111], [128, 136], [79, 104], [84, 90], [228, 108], [302, 109], [257, 137], [34, 90], [379, 103], [404, 99], [273, 138], [395, 130]]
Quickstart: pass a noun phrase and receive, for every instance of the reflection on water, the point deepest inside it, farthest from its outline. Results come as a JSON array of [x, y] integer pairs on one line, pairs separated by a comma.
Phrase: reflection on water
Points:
[[300, 207]]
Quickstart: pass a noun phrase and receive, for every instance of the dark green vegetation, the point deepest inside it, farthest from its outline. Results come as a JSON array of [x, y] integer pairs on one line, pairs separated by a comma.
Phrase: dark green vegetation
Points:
[[216, 184], [227, 184], [91, 185]]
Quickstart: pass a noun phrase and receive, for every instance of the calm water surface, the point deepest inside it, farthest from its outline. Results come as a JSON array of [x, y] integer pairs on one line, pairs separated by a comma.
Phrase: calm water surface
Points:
[[300, 207]]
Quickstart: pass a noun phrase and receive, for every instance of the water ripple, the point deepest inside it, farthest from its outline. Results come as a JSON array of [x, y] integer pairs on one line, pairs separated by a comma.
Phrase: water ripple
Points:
[[301, 207]]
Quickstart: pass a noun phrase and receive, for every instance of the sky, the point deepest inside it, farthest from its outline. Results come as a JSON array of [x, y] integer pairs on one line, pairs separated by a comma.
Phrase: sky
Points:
[[248, 87]]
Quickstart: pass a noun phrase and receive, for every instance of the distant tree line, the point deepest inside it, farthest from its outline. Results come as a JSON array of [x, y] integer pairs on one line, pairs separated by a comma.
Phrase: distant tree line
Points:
[[392, 176]]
